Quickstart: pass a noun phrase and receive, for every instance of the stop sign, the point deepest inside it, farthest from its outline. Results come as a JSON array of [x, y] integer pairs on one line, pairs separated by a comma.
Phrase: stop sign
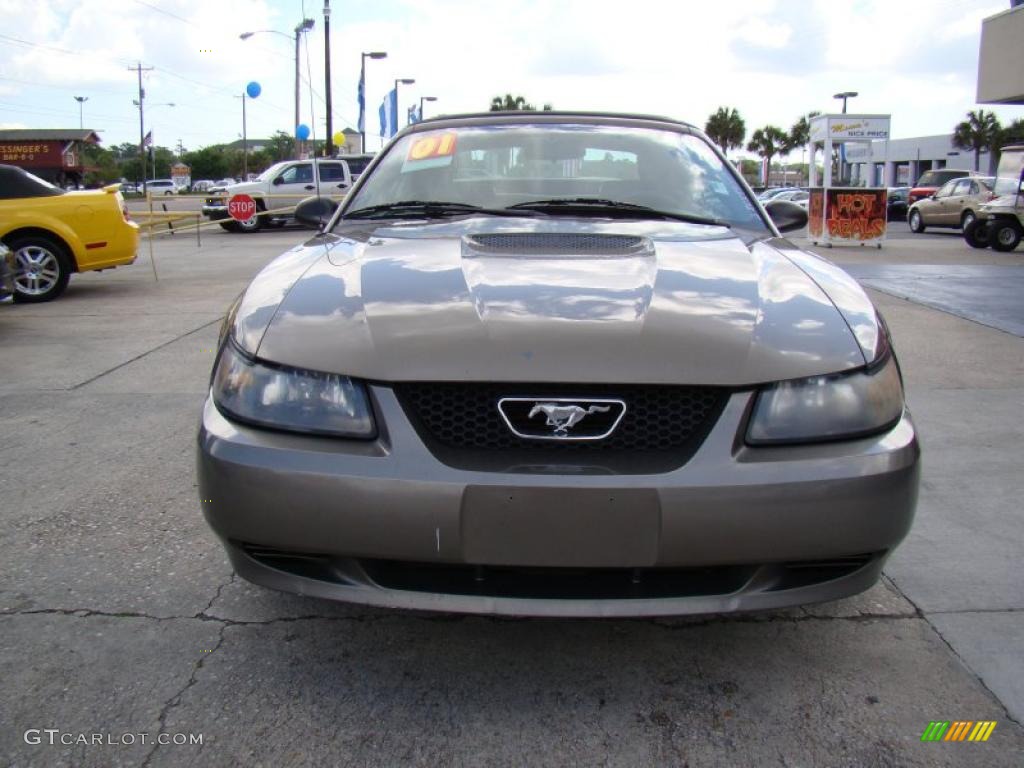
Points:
[[241, 207]]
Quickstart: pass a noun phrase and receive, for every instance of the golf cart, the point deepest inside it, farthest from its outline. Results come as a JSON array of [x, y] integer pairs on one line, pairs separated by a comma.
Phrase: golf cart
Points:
[[1000, 221]]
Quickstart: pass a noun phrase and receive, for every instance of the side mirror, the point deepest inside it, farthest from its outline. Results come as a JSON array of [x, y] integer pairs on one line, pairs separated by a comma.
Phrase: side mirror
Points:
[[278, 181], [785, 215], [315, 212]]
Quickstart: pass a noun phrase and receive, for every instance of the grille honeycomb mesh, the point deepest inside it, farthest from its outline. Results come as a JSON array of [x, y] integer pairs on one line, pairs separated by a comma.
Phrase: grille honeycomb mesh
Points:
[[658, 418], [559, 244]]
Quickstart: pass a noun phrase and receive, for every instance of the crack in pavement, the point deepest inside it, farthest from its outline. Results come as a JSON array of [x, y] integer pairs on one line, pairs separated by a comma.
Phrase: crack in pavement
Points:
[[175, 700], [158, 347], [659, 622], [963, 662]]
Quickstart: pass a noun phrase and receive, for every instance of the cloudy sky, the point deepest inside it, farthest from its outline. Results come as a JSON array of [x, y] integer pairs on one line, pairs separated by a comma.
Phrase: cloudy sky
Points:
[[915, 59]]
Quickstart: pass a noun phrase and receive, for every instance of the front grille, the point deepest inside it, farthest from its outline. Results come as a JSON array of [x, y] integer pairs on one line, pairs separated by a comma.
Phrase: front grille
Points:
[[559, 244], [459, 421]]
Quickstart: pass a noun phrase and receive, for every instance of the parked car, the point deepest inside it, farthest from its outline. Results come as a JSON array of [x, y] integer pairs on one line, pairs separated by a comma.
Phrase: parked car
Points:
[[955, 204], [772, 192], [799, 196], [896, 203], [357, 164], [202, 185], [1000, 221], [8, 267], [161, 187], [503, 382], [930, 181], [221, 184], [54, 233], [278, 190]]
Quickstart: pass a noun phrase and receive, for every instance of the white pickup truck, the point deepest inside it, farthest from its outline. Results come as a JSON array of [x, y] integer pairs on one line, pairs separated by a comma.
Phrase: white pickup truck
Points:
[[279, 189]]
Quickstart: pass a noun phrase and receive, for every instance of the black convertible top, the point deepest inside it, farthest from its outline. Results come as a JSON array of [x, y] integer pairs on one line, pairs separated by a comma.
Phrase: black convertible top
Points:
[[16, 182]]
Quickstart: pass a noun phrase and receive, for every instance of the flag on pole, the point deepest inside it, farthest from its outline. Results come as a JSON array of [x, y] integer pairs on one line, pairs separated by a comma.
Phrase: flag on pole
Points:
[[389, 114], [148, 140], [413, 115], [362, 102]]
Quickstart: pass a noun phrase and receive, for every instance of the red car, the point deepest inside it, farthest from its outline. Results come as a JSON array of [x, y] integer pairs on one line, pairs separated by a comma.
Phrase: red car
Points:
[[930, 181]]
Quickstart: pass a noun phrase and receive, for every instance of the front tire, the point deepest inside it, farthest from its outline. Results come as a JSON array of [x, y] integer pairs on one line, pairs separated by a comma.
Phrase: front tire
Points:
[[255, 223], [916, 222], [1004, 235], [43, 268], [976, 234]]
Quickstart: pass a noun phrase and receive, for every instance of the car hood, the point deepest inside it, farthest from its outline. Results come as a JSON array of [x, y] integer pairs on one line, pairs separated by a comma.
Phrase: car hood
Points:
[[546, 300], [245, 187]]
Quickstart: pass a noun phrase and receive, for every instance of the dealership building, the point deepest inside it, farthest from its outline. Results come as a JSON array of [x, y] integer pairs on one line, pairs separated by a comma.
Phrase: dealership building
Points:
[[900, 162]]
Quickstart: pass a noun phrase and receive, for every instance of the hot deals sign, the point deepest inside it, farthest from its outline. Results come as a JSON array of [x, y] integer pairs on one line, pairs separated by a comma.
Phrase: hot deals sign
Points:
[[854, 215]]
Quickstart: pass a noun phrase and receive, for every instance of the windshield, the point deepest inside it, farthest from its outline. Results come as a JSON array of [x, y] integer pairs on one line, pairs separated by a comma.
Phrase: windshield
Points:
[[1008, 176], [498, 166], [938, 178]]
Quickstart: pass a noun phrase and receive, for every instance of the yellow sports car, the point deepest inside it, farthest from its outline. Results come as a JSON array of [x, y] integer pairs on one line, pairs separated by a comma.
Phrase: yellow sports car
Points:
[[54, 233]]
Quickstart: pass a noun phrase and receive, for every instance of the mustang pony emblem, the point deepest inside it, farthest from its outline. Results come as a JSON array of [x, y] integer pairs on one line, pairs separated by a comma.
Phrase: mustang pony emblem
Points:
[[564, 417]]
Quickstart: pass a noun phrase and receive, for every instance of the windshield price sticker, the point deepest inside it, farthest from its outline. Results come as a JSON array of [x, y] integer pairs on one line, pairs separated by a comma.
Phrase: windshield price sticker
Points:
[[432, 150]]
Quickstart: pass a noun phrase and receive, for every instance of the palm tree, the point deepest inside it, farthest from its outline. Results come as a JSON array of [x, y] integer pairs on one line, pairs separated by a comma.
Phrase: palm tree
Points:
[[980, 131], [768, 142], [510, 103], [726, 128], [800, 133]]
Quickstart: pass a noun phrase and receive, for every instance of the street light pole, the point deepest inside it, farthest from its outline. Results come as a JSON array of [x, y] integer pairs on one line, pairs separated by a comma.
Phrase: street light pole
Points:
[[842, 151], [329, 144], [81, 100], [362, 93], [304, 26], [422, 99], [844, 96], [403, 81]]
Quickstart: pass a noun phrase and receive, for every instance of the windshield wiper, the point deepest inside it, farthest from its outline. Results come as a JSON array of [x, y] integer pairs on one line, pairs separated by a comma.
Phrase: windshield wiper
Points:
[[430, 209], [616, 207]]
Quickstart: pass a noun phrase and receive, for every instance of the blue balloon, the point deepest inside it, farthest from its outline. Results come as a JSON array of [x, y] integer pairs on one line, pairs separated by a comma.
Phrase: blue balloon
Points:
[[302, 132], [253, 89]]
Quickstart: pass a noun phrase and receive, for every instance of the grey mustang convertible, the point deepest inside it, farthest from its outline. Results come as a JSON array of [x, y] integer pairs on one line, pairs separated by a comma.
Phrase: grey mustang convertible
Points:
[[557, 364]]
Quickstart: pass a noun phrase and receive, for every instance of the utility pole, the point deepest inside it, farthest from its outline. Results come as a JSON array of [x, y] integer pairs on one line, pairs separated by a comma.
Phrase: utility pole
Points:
[[329, 145], [142, 134], [181, 149]]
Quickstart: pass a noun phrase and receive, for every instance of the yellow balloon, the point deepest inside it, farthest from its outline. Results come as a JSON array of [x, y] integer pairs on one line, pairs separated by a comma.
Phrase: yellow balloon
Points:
[[339, 139]]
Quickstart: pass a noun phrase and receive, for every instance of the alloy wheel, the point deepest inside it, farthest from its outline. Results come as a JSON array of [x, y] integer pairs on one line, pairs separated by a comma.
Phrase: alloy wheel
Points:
[[38, 270]]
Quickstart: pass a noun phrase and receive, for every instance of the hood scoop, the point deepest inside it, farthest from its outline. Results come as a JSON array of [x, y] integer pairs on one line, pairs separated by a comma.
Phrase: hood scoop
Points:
[[557, 244], [582, 278]]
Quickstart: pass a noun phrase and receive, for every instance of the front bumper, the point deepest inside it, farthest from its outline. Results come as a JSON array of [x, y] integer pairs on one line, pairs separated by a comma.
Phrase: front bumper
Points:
[[215, 212], [386, 523]]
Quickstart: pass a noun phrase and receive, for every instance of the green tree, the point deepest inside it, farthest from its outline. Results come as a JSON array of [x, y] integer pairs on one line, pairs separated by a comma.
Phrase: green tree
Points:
[[726, 128], [800, 134], [980, 131], [100, 166], [207, 163], [160, 165], [768, 142], [280, 147], [510, 103], [1011, 134]]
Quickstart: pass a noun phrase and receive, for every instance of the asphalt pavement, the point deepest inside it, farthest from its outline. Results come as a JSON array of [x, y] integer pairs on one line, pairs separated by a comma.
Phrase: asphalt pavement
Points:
[[120, 619]]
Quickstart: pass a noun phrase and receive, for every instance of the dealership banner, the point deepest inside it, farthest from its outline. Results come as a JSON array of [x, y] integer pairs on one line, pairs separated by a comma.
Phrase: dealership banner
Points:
[[847, 215]]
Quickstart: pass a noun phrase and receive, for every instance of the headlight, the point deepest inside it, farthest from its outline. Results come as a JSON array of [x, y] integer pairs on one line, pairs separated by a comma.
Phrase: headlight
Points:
[[289, 398], [835, 407]]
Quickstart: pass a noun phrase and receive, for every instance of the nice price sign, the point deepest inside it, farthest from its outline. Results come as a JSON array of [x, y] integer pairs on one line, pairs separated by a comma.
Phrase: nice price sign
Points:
[[241, 207]]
